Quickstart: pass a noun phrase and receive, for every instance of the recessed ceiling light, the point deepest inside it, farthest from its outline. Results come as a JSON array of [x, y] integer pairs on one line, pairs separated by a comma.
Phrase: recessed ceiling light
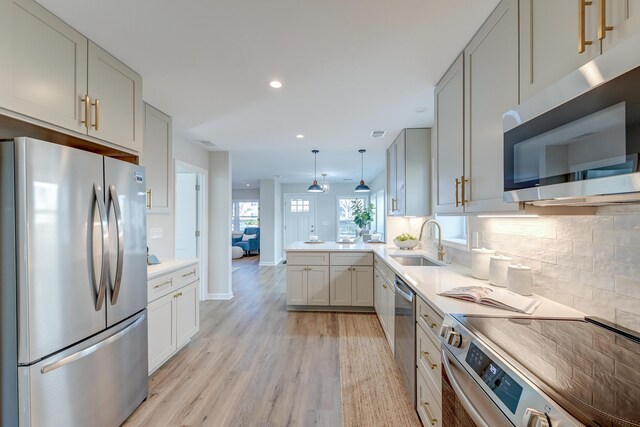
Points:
[[248, 185], [299, 136], [420, 110], [275, 84]]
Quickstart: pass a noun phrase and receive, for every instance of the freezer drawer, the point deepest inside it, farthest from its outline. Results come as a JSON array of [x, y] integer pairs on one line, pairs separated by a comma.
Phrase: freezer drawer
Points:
[[99, 382]]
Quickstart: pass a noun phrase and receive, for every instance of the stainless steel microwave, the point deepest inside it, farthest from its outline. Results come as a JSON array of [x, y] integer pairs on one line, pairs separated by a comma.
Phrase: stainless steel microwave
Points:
[[577, 142]]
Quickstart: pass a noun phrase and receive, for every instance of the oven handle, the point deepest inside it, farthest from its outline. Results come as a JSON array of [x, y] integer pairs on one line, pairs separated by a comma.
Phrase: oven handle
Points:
[[466, 403]]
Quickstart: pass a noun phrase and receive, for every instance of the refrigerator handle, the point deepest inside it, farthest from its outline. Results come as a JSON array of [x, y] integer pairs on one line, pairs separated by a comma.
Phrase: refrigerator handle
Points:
[[113, 200], [104, 228]]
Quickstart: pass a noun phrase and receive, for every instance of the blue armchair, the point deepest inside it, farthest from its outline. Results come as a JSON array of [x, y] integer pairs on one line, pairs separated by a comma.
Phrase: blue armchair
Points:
[[251, 244]]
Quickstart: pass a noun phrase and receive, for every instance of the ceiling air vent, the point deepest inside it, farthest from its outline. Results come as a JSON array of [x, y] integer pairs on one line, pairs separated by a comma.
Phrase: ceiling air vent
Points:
[[207, 144], [376, 134]]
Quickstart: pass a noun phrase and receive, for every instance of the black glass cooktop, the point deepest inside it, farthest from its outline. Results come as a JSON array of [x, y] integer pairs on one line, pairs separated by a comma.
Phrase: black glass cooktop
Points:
[[590, 367]]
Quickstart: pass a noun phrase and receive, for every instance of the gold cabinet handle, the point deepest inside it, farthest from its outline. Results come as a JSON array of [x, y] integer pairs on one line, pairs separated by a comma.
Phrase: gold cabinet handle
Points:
[[159, 285], [149, 198], [96, 104], [602, 20], [384, 286], [87, 104], [582, 41], [432, 419], [430, 322], [429, 361], [457, 184], [463, 184], [189, 274]]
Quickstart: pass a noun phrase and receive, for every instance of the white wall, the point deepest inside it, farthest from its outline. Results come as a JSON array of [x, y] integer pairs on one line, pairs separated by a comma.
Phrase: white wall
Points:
[[248, 194], [219, 225], [270, 222]]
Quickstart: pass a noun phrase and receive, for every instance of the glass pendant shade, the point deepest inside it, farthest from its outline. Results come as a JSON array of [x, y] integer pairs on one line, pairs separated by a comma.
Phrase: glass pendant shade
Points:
[[362, 187], [325, 184]]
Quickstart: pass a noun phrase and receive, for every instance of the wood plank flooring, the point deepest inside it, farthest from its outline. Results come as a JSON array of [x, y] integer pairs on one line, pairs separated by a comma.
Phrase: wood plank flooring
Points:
[[255, 364]]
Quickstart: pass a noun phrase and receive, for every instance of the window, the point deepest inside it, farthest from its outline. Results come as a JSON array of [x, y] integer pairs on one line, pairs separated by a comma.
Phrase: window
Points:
[[454, 230], [244, 213], [377, 200], [346, 226], [299, 206]]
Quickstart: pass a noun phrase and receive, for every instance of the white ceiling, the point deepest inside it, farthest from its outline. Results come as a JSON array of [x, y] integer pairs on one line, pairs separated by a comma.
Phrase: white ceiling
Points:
[[347, 66]]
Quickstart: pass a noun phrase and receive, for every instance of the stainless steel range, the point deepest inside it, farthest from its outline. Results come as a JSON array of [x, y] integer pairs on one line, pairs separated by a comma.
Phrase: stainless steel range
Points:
[[539, 372]]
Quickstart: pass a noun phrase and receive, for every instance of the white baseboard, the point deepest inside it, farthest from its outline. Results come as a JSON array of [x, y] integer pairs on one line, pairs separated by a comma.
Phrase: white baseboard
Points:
[[270, 264], [220, 296]]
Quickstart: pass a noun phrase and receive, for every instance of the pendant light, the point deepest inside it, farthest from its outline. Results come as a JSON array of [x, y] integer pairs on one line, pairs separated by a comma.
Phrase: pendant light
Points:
[[362, 187], [325, 184], [315, 188]]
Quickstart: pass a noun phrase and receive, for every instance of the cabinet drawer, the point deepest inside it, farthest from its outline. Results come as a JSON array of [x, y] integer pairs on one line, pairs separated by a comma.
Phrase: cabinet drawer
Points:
[[429, 408], [307, 258], [429, 358], [186, 275], [351, 258], [429, 319], [160, 286]]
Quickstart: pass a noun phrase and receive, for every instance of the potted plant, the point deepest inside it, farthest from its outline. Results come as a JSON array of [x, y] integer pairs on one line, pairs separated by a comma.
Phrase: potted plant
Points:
[[362, 216]]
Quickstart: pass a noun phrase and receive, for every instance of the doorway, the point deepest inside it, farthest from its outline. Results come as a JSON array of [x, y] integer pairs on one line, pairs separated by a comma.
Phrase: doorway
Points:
[[299, 217], [190, 217]]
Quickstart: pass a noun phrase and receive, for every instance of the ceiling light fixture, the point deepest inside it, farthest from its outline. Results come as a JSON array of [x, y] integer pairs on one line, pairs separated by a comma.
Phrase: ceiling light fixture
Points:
[[299, 136], [362, 187], [248, 185], [275, 84], [325, 184], [315, 188]]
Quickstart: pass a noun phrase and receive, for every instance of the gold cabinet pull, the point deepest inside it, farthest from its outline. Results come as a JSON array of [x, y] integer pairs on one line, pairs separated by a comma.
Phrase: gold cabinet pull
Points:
[[96, 104], [429, 361], [463, 184], [430, 322], [582, 11], [432, 419], [189, 274], [87, 104], [602, 20], [457, 184], [149, 198], [159, 285]]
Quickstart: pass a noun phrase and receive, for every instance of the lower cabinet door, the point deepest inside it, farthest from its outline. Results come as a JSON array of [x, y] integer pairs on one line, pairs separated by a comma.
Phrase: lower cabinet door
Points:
[[390, 314], [187, 313], [378, 295], [340, 285], [318, 285], [362, 286], [162, 330], [429, 408], [296, 285]]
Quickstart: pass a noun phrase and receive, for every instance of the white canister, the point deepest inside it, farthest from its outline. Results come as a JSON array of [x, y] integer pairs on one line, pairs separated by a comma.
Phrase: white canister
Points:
[[520, 279], [480, 262], [498, 266]]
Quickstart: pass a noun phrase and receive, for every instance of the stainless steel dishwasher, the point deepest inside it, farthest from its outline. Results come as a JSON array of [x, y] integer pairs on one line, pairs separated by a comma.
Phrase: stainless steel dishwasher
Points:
[[405, 336]]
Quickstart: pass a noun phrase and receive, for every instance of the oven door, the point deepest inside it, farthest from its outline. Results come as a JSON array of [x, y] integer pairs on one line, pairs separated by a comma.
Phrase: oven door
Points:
[[464, 403]]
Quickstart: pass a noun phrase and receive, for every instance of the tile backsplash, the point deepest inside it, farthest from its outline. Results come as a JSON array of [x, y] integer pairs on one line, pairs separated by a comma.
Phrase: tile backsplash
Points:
[[591, 263]]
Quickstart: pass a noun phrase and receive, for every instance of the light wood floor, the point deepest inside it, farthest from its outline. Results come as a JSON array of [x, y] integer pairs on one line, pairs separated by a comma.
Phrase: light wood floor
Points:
[[255, 364]]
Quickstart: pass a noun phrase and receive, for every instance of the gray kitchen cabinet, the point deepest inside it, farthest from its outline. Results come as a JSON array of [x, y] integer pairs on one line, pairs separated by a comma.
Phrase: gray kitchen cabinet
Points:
[[53, 74], [157, 158], [340, 284], [449, 139], [116, 100], [409, 173], [43, 72], [624, 17], [317, 285], [491, 88]]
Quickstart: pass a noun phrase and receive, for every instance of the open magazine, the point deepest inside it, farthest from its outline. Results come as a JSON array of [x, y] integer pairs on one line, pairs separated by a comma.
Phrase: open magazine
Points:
[[499, 298]]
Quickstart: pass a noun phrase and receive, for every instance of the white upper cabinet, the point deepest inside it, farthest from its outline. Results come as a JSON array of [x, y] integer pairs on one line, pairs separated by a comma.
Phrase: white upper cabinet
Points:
[[51, 73], [43, 72], [409, 173], [491, 88], [116, 100], [157, 158], [624, 18], [449, 135]]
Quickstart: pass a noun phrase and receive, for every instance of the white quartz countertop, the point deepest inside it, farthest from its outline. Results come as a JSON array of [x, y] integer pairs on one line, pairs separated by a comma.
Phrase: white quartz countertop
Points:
[[169, 266], [428, 282]]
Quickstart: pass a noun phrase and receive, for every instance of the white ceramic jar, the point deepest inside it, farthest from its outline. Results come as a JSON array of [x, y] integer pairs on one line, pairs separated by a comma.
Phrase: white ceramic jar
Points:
[[498, 266], [520, 279], [480, 259]]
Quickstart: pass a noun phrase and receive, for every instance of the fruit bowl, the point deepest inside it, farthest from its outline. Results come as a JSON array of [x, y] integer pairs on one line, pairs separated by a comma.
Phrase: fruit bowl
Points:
[[406, 244]]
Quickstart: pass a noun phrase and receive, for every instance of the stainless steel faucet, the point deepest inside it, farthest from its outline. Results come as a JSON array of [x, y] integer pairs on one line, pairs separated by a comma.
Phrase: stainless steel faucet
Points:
[[439, 245]]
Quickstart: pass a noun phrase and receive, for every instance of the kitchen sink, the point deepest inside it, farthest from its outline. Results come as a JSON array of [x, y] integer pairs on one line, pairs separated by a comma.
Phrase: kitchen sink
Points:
[[415, 260]]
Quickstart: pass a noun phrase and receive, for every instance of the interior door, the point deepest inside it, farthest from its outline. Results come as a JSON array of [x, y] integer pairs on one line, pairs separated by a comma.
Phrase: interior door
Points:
[[126, 205], [300, 217], [186, 215], [61, 243]]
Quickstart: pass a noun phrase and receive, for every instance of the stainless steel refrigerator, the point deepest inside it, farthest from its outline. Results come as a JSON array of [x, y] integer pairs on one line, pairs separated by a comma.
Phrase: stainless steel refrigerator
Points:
[[73, 294]]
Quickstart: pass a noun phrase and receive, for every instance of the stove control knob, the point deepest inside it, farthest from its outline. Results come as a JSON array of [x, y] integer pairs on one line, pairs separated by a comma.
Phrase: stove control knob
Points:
[[533, 418], [454, 338]]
